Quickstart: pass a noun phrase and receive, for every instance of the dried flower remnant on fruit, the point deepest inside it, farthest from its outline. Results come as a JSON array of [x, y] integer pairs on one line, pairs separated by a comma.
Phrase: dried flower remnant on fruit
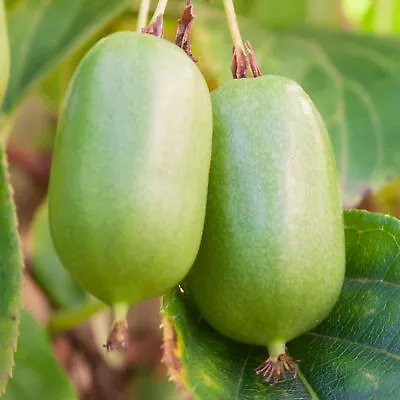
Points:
[[275, 368], [185, 24], [240, 64], [118, 338], [255, 69], [155, 28]]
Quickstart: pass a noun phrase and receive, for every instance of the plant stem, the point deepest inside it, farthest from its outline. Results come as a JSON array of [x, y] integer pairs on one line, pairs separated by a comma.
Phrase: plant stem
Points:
[[160, 10], [67, 319], [143, 14], [233, 24]]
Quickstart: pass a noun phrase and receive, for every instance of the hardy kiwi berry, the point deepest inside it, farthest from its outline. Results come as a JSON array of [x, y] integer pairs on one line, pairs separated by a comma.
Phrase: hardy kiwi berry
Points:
[[271, 262], [129, 179]]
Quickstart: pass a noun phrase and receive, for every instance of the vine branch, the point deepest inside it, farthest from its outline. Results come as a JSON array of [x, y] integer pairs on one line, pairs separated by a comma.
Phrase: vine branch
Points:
[[160, 10]]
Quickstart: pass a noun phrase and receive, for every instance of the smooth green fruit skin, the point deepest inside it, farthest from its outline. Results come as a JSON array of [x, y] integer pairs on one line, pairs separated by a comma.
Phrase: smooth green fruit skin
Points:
[[130, 170], [271, 263], [4, 53]]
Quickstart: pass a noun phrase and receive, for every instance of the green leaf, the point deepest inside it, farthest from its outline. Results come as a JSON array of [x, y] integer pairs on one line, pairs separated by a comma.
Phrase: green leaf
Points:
[[4, 53], [353, 80], [10, 277], [353, 354], [37, 374], [42, 33], [62, 290]]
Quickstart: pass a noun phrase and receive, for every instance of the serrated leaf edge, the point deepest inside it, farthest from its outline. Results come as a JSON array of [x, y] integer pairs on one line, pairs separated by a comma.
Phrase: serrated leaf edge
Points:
[[15, 313]]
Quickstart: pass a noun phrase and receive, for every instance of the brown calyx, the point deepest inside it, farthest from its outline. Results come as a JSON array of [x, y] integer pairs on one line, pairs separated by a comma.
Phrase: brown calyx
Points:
[[240, 65], [155, 28], [255, 69], [185, 24]]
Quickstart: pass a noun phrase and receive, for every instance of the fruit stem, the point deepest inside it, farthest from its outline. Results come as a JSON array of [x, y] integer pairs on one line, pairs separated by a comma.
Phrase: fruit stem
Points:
[[233, 24], [143, 15], [118, 337], [160, 10]]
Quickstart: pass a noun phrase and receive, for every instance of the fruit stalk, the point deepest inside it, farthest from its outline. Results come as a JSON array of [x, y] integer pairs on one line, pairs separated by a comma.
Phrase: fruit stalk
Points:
[[160, 10], [156, 25], [233, 25], [143, 15]]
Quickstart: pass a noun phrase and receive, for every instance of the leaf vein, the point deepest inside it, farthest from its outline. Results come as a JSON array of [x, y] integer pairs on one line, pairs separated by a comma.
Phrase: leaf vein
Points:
[[349, 342], [365, 280]]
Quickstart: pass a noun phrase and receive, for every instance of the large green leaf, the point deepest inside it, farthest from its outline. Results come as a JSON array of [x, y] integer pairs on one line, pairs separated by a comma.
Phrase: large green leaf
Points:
[[37, 374], [10, 277], [353, 80], [42, 33], [47, 268], [353, 354]]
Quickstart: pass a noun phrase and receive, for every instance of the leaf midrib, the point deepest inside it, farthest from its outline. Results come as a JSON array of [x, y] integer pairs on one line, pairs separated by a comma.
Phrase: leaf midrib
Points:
[[307, 385]]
